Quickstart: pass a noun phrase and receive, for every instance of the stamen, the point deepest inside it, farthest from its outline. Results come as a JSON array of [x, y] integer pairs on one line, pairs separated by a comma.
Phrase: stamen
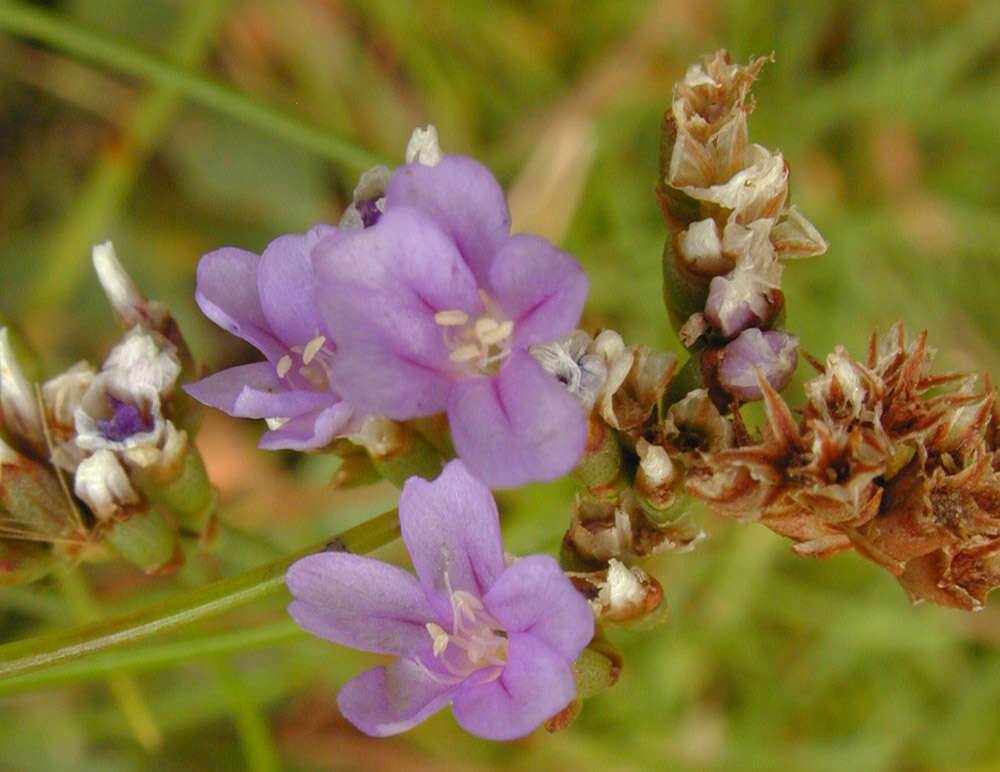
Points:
[[312, 348], [439, 636], [465, 353], [284, 365], [453, 318], [484, 326], [497, 333]]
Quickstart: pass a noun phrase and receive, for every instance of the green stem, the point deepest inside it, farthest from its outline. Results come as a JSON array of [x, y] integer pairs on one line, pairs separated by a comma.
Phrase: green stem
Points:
[[35, 23], [20, 657], [154, 656]]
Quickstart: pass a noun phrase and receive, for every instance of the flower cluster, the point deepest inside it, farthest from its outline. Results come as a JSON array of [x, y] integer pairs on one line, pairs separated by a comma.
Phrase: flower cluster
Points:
[[420, 303], [121, 431], [875, 464], [725, 201], [494, 637]]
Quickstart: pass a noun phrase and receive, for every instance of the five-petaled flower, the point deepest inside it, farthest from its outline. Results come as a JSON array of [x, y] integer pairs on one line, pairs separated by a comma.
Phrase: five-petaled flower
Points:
[[268, 300], [496, 641], [433, 309]]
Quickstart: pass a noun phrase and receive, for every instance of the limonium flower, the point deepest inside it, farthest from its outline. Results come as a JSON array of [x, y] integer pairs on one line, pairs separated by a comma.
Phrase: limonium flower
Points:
[[496, 641], [268, 301], [433, 309]]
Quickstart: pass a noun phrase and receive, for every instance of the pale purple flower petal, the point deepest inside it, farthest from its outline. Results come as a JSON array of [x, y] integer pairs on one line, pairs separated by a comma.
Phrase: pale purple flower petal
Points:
[[464, 199], [517, 426], [772, 353], [227, 294], [536, 684], [388, 700], [359, 602], [315, 429], [451, 551], [253, 391], [286, 285], [539, 286], [531, 598]]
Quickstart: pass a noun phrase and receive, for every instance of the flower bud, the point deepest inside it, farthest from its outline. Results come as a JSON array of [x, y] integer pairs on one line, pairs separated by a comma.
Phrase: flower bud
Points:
[[131, 307], [102, 484], [397, 451], [594, 671], [600, 470], [423, 147], [622, 595], [31, 496], [658, 484], [145, 537], [179, 483], [368, 202], [771, 355], [19, 411]]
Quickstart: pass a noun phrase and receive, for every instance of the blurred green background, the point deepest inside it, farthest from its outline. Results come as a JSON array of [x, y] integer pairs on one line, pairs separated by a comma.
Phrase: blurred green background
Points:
[[889, 116]]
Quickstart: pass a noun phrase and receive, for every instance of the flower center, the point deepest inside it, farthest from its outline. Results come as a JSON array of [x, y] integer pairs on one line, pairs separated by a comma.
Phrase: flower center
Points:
[[310, 362], [476, 640], [125, 421], [480, 343]]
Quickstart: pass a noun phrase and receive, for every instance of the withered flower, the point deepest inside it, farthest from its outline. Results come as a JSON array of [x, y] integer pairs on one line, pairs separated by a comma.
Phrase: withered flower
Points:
[[873, 463]]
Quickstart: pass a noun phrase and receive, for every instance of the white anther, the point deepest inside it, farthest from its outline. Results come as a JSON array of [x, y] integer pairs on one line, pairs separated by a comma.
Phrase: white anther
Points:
[[465, 353], [312, 349], [497, 333], [453, 318], [439, 636], [484, 326], [284, 365]]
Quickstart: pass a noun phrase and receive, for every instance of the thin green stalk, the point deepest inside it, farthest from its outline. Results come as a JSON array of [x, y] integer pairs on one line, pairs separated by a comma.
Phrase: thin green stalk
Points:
[[154, 656], [254, 732], [20, 657], [36, 23]]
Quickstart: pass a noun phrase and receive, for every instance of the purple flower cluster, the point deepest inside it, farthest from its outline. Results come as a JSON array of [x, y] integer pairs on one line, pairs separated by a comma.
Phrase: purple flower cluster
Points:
[[496, 641], [429, 307]]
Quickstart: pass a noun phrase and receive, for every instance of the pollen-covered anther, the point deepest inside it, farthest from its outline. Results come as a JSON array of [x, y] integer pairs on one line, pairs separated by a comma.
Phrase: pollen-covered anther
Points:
[[283, 366], [312, 348], [452, 318], [483, 341]]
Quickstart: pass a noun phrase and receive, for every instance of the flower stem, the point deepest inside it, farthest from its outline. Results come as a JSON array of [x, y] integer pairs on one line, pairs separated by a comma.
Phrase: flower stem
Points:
[[20, 657]]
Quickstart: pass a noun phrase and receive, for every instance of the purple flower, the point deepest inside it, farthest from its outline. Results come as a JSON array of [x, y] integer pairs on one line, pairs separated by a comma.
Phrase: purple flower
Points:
[[433, 309], [495, 641], [772, 353], [268, 301]]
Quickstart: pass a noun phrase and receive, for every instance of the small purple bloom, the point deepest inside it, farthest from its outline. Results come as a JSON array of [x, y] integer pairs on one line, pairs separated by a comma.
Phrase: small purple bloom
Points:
[[433, 309], [772, 353], [496, 641], [268, 300]]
